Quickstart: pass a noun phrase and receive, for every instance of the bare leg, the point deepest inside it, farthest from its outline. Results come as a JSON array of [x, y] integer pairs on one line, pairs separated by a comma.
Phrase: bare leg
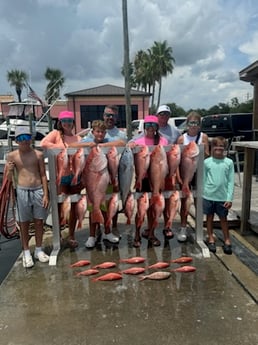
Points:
[[183, 213], [210, 228], [225, 230], [25, 235], [38, 223]]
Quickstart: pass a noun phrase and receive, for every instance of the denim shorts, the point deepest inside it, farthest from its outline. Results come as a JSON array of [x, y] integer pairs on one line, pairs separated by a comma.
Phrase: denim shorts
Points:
[[67, 180], [212, 207]]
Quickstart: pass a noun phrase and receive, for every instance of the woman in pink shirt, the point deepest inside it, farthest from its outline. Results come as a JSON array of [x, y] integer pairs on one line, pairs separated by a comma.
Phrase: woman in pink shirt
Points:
[[150, 137], [61, 138]]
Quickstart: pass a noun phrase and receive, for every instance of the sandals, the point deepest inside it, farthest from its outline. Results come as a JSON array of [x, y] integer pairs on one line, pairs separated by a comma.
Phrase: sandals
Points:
[[227, 248], [72, 243], [168, 234], [154, 241], [137, 243], [145, 233], [211, 246]]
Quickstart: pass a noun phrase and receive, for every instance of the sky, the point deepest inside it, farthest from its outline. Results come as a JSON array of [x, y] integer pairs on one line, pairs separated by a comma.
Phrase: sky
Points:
[[212, 42]]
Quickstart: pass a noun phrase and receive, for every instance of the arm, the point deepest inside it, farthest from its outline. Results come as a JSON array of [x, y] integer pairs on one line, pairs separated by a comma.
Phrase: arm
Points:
[[42, 171], [52, 140], [114, 143], [205, 142], [9, 166]]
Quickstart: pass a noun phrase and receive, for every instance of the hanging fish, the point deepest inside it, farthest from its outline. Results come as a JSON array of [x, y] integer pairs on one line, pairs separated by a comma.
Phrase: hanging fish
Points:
[[78, 162], [125, 173]]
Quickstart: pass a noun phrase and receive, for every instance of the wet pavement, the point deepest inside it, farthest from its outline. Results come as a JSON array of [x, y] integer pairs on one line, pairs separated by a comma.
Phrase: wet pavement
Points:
[[50, 305]]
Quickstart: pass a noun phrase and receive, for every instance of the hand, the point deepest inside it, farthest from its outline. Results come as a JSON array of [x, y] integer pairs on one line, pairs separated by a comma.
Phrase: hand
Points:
[[11, 166], [227, 204]]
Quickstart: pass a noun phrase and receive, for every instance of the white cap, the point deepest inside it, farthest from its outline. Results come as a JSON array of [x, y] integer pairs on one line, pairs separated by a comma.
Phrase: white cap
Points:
[[162, 108], [22, 130]]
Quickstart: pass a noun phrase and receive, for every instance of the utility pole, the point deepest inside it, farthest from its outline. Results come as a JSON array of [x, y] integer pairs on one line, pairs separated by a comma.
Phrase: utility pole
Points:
[[128, 109]]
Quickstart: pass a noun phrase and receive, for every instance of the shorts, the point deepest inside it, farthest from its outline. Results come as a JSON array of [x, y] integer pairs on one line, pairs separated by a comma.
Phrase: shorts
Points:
[[67, 180], [29, 204], [212, 207]]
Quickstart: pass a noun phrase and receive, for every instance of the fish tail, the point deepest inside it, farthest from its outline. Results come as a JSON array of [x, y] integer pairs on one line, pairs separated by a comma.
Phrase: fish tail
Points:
[[128, 222], [142, 278], [97, 216], [79, 225], [74, 180]]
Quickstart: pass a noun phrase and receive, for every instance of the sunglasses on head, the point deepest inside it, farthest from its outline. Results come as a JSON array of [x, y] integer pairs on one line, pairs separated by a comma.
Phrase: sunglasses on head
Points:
[[150, 124], [67, 120], [23, 137], [109, 115]]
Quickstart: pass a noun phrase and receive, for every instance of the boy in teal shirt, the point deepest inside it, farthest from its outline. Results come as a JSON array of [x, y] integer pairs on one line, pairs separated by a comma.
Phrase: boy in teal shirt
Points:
[[218, 191]]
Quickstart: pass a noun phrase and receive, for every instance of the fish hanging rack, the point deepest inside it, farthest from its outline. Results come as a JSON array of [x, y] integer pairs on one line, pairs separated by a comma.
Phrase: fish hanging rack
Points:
[[55, 199]]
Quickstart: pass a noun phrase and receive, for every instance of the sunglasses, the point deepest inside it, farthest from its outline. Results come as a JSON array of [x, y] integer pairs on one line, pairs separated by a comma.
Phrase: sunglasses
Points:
[[109, 115], [150, 124], [193, 123], [164, 113], [67, 120], [23, 137]]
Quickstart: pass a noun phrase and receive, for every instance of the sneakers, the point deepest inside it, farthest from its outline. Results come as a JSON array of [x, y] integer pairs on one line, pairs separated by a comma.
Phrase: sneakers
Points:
[[181, 236], [90, 243], [27, 261], [41, 256], [111, 238]]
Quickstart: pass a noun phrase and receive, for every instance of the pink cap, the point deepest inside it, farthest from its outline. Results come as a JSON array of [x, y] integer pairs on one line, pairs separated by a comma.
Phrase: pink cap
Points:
[[66, 115], [151, 118]]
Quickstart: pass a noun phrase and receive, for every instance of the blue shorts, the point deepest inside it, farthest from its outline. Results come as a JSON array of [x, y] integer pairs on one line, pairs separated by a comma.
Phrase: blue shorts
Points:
[[67, 180], [212, 207]]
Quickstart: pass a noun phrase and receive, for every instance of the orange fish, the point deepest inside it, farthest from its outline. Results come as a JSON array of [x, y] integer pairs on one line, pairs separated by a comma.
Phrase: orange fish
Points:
[[157, 204], [80, 263], [88, 272], [80, 210], [188, 165], [78, 162], [172, 206], [113, 162], [160, 275], [159, 265], [182, 260], [61, 165], [142, 207], [65, 209], [129, 207], [141, 163], [95, 178], [108, 277], [107, 264], [173, 158], [133, 260], [184, 269], [134, 270], [158, 169], [112, 208]]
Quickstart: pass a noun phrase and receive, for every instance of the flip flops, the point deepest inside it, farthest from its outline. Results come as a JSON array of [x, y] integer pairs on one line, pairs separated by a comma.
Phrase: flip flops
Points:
[[168, 234]]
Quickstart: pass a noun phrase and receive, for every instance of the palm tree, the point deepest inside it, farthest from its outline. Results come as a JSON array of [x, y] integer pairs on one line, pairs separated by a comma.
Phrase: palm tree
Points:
[[56, 82], [17, 79], [162, 62]]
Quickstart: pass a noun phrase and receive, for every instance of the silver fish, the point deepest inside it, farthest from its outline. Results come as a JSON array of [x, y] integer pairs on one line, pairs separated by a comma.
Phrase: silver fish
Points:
[[160, 275], [125, 173]]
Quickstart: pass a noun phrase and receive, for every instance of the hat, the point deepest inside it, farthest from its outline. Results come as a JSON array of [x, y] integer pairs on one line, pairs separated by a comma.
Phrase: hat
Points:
[[162, 108], [22, 130], [66, 115], [151, 118]]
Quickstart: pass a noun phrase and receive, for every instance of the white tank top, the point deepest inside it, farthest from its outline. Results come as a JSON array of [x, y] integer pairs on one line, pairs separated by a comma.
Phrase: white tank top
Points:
[[188, 139]]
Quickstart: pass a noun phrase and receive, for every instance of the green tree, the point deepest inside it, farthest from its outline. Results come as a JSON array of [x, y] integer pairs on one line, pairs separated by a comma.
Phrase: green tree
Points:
[[162, 63], [56, 82], [17, 79]]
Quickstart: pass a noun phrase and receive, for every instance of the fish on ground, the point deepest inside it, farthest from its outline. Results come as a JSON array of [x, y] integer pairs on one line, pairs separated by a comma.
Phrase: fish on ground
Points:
[[80, 263], [133, 260], [78, 162], [113, 163], [89, 272], [184, 269], [108, 277], [95, 178], [188, 165], [129, 207], [182, 260], [80, 210], [159, 275], [141, 163], [125, 173], [159, 265], [107, 264], [133, 270], [61, 165]]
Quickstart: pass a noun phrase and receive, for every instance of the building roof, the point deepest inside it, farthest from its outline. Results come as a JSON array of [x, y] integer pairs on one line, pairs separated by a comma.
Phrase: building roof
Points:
[[106, 90], [249, 73]]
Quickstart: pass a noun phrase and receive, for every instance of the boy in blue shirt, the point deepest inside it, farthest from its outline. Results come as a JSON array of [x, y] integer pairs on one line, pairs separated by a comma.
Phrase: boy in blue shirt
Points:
[[218, 191]]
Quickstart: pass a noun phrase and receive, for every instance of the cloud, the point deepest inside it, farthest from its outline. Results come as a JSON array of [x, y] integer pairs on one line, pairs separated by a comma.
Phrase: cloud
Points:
[[211, 41]]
